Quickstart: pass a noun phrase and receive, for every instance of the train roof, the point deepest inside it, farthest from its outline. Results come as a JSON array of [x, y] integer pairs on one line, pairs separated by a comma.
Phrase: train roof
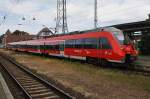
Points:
[[108, 29], [56, 37]]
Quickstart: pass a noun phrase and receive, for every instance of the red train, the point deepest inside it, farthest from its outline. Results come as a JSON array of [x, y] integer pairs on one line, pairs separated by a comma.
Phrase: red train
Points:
[[102, 45]]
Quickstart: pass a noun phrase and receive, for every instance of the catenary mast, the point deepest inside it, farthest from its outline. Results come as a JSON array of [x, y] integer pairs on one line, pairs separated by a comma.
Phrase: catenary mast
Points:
[[61, 20], [95, 14]]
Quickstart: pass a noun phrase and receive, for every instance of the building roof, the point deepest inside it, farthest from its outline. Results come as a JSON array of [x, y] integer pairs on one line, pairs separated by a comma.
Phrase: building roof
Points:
[[45, 32], [8, 32], [17, 32], [143, 26]]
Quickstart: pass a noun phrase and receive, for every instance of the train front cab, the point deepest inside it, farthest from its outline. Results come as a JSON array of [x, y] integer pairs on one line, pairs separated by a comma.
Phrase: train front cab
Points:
[[127, 50], [130, 51]]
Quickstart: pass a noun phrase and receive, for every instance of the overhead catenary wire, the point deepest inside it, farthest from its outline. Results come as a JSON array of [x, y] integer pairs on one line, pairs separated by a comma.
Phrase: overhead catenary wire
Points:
[[105, 15], [118, 13], [125, 9], [5, 17], [3, 20]]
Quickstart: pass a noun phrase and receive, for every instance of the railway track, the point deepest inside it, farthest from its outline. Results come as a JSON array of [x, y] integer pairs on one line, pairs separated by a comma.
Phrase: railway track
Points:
[[145, 70], [31, 85], [132, 68]]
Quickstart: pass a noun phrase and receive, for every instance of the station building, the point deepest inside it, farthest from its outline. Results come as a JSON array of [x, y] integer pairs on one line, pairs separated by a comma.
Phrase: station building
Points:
[[16, 36], [44, 33]]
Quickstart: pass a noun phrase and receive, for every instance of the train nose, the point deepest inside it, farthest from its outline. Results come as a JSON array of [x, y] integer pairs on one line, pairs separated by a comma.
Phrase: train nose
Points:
[[128, 49], [130, 52]]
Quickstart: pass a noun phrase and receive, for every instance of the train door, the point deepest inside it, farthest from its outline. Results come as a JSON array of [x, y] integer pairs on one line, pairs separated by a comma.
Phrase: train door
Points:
[[105, 49], [100, 52], [62, 47], [38, 48]]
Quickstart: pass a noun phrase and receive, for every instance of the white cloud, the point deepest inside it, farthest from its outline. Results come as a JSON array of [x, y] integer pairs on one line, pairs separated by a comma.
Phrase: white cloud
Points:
[[130, 10], [80, 13]]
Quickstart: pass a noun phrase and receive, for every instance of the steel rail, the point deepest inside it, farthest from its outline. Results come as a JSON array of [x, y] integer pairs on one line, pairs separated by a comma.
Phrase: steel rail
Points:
[[41, 80], [15, 80]]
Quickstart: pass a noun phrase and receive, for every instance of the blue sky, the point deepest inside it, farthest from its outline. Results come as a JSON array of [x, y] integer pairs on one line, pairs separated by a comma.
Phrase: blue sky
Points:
[[79, 12]]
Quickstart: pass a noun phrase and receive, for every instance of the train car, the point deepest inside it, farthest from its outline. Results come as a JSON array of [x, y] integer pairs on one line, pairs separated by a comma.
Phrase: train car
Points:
[[102, 45]]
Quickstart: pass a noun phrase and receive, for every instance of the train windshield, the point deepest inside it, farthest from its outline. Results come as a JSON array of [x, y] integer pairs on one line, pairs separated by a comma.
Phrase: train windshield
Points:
[[119, 36]]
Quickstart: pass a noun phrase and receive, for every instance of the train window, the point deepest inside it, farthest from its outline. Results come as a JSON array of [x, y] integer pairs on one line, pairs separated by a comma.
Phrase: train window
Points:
[[70, 44], [29, 46], [105, 43], [32, 46], [61, 47], [91, 43], [42, 47], [79, 43], [119, 36], [51, 47], [56, 47]]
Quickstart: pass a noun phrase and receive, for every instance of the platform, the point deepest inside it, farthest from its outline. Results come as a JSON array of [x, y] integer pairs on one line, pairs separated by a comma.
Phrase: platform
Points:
[[4, 90], [144, 60]]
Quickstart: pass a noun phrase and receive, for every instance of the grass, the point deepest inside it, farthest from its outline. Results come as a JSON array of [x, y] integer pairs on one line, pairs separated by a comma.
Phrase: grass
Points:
[[94, 75], [113, 75], [116, 76]]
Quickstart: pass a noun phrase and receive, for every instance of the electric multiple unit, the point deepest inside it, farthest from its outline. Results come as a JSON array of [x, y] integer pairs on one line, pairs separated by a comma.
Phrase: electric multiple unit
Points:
[[105, 44]]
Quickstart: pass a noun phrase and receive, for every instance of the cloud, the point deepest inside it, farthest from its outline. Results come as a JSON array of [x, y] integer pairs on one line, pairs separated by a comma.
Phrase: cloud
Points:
[[128, 11], [80, 13]]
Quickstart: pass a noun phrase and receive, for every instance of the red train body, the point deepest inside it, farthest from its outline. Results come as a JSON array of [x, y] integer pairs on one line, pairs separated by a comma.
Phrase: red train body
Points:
[[106, 44]]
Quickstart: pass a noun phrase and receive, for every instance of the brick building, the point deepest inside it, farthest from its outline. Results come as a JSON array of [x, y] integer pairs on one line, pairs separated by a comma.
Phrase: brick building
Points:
[[16, 36]]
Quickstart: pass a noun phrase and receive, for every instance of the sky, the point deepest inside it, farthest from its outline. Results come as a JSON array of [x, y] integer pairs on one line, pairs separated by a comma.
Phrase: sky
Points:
[[80, 14]]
